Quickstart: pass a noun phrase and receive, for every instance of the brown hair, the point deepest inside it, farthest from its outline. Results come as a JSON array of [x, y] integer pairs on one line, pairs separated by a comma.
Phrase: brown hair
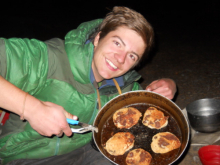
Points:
[[123, 16]]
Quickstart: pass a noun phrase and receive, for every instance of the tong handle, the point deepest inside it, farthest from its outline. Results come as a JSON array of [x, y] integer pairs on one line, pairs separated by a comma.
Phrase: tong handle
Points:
[[73, 122]]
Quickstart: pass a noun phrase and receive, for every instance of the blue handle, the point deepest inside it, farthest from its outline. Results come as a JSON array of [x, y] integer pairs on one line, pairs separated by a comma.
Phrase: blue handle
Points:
[[70, 121]]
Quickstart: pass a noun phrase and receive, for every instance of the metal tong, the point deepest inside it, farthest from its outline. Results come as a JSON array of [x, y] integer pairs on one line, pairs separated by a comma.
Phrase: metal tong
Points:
[[85, 127]]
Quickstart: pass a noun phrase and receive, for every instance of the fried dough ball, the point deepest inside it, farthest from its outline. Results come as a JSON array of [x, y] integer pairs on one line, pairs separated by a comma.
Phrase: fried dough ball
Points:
[[164, 142], [126, 117], [120, 143], [154, 119], [138, 157]]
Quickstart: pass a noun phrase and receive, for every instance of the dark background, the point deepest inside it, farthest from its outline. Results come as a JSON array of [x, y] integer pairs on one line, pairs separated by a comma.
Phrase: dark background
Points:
[[187, 36]]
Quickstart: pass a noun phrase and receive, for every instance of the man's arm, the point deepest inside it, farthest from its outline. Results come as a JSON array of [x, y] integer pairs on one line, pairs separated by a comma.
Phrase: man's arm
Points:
[[164, 86], [45, 117]]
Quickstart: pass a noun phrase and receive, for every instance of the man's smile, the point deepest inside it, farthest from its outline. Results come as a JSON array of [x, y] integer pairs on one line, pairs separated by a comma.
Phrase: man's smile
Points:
[[111, 64]]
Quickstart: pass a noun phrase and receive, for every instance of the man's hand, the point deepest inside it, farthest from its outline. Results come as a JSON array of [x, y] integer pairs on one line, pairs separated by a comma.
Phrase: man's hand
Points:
[[49, 119], [45, 117], [165, 87]]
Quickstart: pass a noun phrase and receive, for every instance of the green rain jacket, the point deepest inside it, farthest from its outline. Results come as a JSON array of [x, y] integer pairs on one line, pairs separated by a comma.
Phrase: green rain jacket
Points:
[[57, 71]]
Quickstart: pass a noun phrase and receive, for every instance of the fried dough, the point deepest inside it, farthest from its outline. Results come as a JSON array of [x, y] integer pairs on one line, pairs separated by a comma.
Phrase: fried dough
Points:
[[126, 117], [154, 119], [138, 157], [119, 143], [164, 142]]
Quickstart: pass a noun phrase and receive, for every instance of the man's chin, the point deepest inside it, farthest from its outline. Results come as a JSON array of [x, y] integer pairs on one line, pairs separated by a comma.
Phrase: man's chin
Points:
[[108, 77]]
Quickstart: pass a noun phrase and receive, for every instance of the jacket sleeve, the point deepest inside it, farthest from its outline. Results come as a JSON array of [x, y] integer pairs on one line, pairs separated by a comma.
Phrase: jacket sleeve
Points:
[[24, 63], [131, 78], [132, 87], [2, 58], [136, 86]]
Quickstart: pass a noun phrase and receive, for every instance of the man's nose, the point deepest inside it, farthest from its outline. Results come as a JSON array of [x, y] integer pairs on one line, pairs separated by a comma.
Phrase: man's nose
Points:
[[120, 57]]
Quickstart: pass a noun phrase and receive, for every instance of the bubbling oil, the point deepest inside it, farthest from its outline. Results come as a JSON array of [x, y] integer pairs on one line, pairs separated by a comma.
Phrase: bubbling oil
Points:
[[143, 136]]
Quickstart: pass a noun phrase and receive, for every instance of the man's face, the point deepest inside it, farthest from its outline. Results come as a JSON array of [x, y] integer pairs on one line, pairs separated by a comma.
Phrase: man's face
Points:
[[116, 53]]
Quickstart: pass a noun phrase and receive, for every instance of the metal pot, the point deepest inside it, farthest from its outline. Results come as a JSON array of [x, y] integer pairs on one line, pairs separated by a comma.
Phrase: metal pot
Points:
[[143, 97], [204, 115]]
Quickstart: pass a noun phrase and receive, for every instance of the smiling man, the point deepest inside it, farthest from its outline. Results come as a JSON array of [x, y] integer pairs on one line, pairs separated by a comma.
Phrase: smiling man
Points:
[[116, 53], [45, 82]]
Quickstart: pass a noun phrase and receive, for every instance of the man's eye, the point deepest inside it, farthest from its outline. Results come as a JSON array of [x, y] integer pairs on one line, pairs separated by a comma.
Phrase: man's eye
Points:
[[117, 43], [132, 56]]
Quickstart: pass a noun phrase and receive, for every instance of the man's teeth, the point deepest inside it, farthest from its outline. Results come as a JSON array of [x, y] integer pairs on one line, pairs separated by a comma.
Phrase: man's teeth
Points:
[[111, 64]]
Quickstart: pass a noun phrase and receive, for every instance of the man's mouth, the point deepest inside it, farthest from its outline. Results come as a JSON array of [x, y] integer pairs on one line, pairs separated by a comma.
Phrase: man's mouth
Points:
[[111, 64]]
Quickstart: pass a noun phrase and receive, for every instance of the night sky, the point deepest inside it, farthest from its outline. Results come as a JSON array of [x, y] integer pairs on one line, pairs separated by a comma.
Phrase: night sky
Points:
[[47, 20]]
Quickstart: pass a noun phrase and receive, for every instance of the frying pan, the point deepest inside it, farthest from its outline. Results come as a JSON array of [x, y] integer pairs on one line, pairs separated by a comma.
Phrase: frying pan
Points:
[[140, 99]]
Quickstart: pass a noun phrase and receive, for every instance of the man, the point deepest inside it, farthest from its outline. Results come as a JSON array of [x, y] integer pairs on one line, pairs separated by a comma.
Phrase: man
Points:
[[67, 77]]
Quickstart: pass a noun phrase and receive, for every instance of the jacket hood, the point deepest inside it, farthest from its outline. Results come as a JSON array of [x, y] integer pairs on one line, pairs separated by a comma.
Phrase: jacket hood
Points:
[[75, 43]]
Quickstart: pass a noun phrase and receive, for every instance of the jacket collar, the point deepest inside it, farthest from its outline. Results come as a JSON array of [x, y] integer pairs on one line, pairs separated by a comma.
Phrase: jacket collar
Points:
[[106, 83], [80, 54]]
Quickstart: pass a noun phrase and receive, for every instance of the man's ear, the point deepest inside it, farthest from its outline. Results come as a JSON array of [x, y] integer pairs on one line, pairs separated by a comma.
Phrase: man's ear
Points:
[[96, 40]]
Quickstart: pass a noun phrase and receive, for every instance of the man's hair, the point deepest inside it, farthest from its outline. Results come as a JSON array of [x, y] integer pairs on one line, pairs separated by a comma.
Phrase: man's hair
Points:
[[123, 16]]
